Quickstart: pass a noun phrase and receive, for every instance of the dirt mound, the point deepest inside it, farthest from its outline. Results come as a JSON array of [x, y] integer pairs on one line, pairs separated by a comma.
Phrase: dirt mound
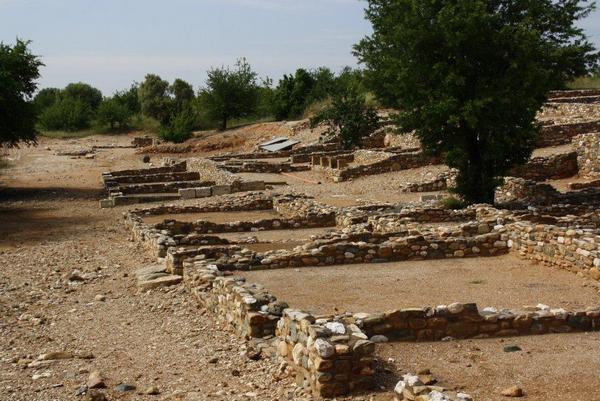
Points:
[[238, 140]]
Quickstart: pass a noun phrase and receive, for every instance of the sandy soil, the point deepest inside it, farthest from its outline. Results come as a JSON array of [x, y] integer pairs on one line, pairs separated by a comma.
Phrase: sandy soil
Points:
[[502, 282], [50, 225], [364, 190], [216, 217], [550, 367]]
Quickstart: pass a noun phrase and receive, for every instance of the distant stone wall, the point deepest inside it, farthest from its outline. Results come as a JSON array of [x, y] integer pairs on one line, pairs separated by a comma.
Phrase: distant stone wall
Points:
[[519, 192], [552, 167], [395, 162], [176, 168], [262, 167], [588, 151]]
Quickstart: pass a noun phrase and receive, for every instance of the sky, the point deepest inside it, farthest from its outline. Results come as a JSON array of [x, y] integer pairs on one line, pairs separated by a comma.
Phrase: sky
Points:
[[112, 43]]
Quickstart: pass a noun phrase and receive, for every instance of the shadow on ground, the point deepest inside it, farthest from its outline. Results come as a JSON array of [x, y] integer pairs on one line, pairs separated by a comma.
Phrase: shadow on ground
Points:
[[48, 193]]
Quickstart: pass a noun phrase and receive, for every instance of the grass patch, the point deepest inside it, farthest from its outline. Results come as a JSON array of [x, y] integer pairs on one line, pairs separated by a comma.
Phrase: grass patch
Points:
[[241, 122], [68, 134], [591, 82]]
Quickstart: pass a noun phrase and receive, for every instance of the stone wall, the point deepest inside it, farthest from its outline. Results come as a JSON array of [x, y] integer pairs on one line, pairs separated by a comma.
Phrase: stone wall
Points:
[[576, 250], [460, 321], [251, 311], [588, 151], [176, 168], [157, 187], [441, 182], [331, 358], [262, 167], [552, 167], [395, 162], [562, 134], [164, 177]]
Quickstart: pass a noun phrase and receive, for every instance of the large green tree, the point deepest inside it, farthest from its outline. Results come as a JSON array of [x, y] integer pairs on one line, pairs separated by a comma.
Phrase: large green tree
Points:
[[83, 92], [182, 94], [154, 98], [470, 75], [230, 93], [19, 70]]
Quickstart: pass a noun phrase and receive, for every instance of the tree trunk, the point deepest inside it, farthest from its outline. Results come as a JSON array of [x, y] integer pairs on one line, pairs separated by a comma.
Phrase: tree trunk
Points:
[[224, 124]]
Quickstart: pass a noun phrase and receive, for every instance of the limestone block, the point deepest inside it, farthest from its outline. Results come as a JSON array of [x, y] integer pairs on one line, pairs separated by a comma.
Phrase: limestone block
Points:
[[187, 193], [204, 192], [221, 190]]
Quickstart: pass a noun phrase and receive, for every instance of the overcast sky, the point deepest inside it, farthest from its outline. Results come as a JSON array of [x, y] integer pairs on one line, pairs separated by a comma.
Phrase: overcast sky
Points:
[[111, 43]]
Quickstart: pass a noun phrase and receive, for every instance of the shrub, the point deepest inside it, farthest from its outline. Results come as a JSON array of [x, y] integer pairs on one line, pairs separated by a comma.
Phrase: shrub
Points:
[[114, 113], [180, 128], [349, 117], [66, 114], [453, 203]]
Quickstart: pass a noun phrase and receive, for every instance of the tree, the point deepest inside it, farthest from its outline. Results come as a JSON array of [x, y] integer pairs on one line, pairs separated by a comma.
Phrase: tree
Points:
[[470, 75], [86, 93], [19, 69], [46, 98], [129, 98], [230, 93], [293, 94], [180, 127], [154, 98], [183, 95], [349, 117], [113, 112]]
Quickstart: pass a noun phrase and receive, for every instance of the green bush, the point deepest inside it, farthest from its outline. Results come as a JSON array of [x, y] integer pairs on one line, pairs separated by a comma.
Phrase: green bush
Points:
[[349, 117], [453, 203], [114, 113], [180, 127], [66, 114]]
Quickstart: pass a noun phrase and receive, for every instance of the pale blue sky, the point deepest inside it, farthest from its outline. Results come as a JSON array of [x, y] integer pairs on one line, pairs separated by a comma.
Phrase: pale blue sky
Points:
[[111, 43]]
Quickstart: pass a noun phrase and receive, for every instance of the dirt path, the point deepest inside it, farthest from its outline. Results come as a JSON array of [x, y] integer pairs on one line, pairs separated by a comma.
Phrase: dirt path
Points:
[[51, 227]]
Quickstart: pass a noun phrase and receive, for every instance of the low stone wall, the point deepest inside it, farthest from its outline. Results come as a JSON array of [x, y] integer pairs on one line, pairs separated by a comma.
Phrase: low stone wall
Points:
[[251, 311], [207, 191], [176, 168], [263, 167], [576, 186], [520, 193], [331, 358], [158, 241], [588, 151], [576, 250], [562, 134], [461, 321], [410, 247], [552, 167], [157, 187], [142, 141], [439, 183], [308, 157], [395, 162], [165, 177], [588, 99], [559, 94]]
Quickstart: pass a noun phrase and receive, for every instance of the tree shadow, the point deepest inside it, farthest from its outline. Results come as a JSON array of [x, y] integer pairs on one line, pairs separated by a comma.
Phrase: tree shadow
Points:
[[8, 194]]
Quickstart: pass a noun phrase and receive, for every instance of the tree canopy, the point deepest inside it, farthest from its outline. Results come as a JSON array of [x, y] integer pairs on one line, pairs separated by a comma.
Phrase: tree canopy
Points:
[[19, 70], [230, 92], [470, 75]]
